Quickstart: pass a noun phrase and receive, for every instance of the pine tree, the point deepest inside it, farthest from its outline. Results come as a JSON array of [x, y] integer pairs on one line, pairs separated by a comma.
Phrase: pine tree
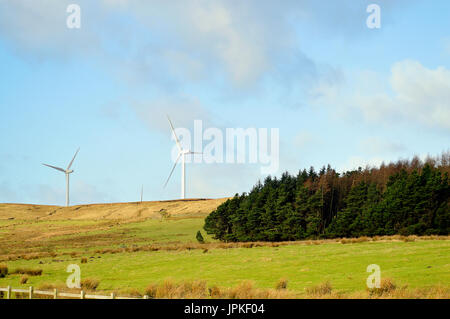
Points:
[[406, 197]]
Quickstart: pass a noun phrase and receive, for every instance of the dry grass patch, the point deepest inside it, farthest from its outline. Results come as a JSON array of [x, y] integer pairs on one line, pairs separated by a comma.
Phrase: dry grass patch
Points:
[[23, 279], [281, 284], [28, 271], [171, 290], [198, 290], [89, 283], [387, 286], [322, 289], [246, 290], [129, 292]]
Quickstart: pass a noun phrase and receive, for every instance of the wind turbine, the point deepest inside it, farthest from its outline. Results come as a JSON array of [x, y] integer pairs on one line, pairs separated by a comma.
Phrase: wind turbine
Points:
[[66, 171], [181, 153]]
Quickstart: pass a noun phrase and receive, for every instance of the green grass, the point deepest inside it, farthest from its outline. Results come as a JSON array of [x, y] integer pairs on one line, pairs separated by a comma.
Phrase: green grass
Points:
[[153, 230], [417, 264], [85, 235]]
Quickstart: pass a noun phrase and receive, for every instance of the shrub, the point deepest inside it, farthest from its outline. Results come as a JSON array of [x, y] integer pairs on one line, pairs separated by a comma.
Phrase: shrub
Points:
[[3, 270], [197, 289], [28, 271], [89, 283], [319, 290], [282, 284], [166, 289], [46, 286], [199, 237], [214, 292], [150, 291], [23, 279], [387, 286], [186, 289]]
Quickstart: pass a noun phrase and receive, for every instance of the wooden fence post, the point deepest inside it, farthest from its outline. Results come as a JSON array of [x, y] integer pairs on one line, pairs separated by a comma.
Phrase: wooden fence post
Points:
[[9, 291]]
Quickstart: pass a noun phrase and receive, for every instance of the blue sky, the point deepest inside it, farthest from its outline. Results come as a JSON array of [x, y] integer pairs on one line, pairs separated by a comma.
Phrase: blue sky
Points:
[[339, 92]]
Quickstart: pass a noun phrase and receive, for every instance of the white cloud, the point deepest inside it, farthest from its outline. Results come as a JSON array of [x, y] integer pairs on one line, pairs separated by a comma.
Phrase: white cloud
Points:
[[375, 145], [303, 139], [182, 111], [241, 41], [415, 93], [38, 30], [219, 180]]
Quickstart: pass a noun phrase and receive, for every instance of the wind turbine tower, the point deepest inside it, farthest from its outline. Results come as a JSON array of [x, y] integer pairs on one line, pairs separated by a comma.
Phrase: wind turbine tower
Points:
[[181, 153], [67, 172]]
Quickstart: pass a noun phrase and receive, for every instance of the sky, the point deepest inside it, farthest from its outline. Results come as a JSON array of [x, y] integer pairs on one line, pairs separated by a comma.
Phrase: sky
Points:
[[340, 93]]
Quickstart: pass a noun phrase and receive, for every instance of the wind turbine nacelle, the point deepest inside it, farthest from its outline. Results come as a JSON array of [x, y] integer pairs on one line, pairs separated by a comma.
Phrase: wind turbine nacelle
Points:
[[70, 172]]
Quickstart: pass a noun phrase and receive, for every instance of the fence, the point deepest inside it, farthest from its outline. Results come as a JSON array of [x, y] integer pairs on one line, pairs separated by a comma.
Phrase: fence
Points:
[[56, 294]]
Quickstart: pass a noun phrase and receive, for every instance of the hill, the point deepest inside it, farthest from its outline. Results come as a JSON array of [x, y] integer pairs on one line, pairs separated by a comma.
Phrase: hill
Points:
[[111, 211], [129, 248]]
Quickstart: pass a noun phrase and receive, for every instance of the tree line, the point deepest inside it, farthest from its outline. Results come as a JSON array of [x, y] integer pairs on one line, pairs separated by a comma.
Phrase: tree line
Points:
[[408, 197]]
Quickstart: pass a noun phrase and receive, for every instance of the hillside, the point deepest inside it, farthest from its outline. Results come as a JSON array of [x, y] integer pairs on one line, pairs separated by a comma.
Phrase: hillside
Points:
[[113, 211], [128, 247]]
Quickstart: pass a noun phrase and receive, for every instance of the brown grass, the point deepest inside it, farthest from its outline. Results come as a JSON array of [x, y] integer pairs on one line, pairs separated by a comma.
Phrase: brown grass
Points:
[[198, 290], [129, 292], [171, 290], [387, 286], [322, 289], [46, 286], [89, 283], [28, 271], [23, 279], [245, 290], [111, 211], [281, 284]]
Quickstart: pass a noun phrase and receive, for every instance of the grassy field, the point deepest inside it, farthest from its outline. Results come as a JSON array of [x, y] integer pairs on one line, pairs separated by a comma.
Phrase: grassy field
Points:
[[129, 254]]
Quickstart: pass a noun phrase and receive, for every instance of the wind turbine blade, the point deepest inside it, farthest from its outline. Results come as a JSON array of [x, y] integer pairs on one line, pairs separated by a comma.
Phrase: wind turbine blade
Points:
[[173, 168], [176, 137], [70, 164], [195, 153], [58, 168]]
